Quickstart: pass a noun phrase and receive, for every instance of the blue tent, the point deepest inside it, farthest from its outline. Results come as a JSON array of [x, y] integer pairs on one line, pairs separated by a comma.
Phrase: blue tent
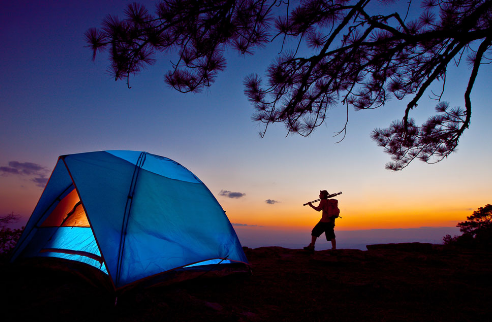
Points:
[[130, 214]]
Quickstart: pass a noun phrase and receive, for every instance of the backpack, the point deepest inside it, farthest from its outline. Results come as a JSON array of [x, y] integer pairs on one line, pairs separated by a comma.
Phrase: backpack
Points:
[[334, 210]]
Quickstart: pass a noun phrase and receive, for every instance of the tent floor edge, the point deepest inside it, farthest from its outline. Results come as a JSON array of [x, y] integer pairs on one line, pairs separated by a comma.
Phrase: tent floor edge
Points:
[[183, 275], [85, 272]]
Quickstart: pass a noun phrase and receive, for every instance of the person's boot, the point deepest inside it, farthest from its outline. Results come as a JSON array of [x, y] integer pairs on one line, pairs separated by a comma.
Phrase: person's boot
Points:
[[309, 248]]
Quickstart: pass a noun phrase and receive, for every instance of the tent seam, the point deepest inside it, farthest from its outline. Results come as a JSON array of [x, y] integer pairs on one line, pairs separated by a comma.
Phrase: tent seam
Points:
[[126, 215], [88, 219]]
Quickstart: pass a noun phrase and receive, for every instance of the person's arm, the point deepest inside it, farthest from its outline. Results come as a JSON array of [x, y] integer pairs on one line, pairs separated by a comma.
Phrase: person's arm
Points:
[[320, 206]]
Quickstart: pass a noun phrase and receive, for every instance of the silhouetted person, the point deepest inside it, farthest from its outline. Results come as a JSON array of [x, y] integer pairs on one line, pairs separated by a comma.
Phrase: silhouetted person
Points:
[[330, 211]]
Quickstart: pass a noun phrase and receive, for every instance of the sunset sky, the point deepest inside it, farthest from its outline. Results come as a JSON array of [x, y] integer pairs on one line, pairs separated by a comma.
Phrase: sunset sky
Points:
[[55, 100]]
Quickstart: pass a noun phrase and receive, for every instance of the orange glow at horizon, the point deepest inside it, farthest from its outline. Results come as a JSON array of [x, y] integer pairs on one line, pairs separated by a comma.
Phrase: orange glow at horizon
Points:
[[356, 217], [358, 212]]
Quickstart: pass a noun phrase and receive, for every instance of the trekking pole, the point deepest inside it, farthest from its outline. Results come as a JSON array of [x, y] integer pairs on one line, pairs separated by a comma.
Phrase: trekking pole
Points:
[[329, 196]]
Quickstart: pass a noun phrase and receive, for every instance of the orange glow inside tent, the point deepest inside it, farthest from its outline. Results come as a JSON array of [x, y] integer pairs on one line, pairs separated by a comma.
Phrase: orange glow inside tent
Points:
[[68, 213]]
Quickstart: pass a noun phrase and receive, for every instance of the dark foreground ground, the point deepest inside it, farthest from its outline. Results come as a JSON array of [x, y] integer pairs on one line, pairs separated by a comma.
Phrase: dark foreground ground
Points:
[[402, 282]]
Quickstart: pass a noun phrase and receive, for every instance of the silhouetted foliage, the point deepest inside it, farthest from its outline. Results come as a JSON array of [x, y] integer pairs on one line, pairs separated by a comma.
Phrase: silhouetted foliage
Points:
[[477, 230], [359, 59], [8, 236]]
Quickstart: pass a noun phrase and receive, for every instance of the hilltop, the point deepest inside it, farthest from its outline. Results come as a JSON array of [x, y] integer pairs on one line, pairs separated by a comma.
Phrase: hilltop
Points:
[[392, 282]]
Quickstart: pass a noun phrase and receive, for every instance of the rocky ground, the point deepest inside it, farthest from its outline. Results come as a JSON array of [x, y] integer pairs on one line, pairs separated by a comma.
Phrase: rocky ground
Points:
[[393, 282]]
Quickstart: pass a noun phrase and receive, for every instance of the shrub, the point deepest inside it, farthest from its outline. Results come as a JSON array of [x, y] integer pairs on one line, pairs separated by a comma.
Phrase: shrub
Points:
[[477, 230], [8, 236]]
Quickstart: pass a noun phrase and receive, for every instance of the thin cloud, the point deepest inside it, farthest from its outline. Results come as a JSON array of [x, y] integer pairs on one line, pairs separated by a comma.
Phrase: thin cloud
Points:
[[271, 201], [244, 225], [8, 170], [27, 169], [40, 181], [233, 195]]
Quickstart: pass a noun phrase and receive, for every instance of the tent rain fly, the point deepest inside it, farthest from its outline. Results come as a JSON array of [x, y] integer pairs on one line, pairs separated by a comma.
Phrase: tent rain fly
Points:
[[132, 215]]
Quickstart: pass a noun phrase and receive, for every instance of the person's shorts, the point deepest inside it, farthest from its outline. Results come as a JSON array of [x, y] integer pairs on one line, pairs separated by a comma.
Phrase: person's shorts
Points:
[[324, 227]]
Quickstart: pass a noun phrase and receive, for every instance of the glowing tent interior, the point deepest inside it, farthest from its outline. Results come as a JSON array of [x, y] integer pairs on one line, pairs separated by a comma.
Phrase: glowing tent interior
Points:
[[132, 215]]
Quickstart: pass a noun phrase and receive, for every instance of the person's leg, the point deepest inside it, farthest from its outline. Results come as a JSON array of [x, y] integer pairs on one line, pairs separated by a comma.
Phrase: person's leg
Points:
[[315, 233], [333, 244], [313, 241], [330, 236], [311, 245]]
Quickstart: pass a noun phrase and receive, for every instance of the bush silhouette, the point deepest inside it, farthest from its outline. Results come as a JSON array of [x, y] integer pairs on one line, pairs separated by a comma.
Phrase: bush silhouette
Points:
[[8, 236], [477, 230]]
